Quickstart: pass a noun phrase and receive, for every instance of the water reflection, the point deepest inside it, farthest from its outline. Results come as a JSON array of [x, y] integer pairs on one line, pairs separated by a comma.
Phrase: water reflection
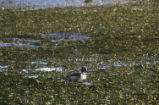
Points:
[[24, 40], [43, 65], [45, 68], [130, 64], [3, 67], [59, 37], [40, 62], [87, 83], [20, 45], [51, 37], [42, 4], [49, 69], [33, 76]]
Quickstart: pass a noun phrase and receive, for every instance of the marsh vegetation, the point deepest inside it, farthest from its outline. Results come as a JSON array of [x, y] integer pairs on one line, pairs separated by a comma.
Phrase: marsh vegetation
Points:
[[119, 45]]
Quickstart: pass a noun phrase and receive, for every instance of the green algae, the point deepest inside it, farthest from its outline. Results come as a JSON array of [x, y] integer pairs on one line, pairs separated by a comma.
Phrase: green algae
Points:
[[122, 86], [126, 32]]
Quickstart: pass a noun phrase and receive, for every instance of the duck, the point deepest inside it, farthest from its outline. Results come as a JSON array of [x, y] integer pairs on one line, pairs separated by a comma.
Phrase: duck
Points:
[[78, 77]]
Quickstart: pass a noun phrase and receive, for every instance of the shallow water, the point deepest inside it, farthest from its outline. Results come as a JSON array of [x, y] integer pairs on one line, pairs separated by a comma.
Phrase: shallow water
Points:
[[31, 43], [18, 45], [44, 65], [44, 46], [41, 4], [59, 37]]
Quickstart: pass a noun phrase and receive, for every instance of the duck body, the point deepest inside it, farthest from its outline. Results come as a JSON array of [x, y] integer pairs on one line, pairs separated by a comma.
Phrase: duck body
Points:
[[78, 77]]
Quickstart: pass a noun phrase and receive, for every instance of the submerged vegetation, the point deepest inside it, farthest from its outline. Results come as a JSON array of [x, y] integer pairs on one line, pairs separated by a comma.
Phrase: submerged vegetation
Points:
[[121, 86], [127, 33]]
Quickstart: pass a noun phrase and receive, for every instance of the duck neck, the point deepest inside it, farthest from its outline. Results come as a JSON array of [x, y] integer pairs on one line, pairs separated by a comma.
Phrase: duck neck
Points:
[[84, 73]]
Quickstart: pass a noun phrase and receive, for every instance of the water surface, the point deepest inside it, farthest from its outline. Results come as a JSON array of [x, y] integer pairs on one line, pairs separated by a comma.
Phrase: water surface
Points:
[[39, 49], [41, 4]]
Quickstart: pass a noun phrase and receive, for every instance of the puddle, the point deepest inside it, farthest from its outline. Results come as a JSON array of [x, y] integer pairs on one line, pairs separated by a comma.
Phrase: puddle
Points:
[[102, 64], [42, 65], [49, 69], [24, 40], [54, 37], [20, 45], [39, 62], [33, 76], [42, 4], [59, 37], [45, 68], [3, 67], [20, 42], [87, 83], [131, 63]]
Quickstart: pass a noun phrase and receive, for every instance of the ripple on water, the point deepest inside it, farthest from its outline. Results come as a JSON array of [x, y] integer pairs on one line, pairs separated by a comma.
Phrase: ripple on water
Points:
[[87, 83], [40, 62], [24, 40], [3, 67], [60, 37], [45, 68], [54, 37], [42, 4], [49, 69], [20, 45], [104, 64]]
